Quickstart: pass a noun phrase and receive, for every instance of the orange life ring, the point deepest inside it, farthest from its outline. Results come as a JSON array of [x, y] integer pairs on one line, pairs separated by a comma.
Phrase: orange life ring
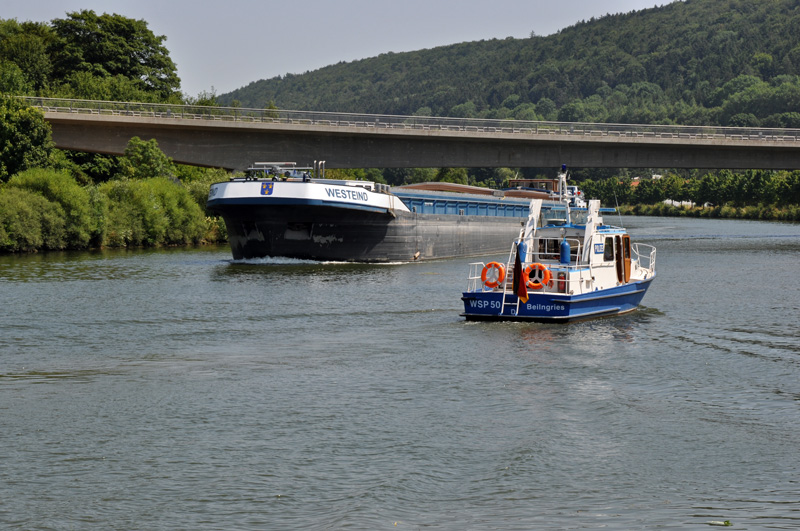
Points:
[[540, 277], [493, 282]]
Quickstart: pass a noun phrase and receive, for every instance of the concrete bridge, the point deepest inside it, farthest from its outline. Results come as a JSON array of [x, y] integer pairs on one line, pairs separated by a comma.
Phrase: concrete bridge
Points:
[[233, 138]]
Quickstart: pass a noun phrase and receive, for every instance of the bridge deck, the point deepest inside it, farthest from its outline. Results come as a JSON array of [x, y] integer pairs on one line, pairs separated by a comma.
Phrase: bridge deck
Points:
[[233, 137]]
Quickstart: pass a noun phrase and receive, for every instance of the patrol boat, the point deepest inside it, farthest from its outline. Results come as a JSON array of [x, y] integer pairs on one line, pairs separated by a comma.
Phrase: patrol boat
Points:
[[281, 209], [566, 265]]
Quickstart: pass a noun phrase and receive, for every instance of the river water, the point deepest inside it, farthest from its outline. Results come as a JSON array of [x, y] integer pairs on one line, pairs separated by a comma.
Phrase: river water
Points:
[[176, 389]]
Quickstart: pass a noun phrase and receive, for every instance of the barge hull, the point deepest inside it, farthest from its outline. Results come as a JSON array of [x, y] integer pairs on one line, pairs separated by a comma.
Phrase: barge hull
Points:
[[336, 234]]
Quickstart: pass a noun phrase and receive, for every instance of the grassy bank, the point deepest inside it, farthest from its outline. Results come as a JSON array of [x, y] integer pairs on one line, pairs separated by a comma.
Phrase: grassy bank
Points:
[[762, 212]]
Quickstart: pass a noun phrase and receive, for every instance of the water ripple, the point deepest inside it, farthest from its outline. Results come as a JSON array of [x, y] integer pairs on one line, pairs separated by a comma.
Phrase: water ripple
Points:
[[176, 389]]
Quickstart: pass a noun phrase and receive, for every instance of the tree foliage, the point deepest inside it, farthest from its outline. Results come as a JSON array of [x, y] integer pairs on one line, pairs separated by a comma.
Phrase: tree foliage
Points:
[[149, 212], [80, 227], [143, 160], [88, 56], [29, 222], [25, 140], [25, 47], [106, 46], [48, 209], [736, 189]]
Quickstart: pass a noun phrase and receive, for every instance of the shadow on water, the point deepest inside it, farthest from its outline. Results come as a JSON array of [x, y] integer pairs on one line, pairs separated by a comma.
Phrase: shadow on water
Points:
[[286, 267], [98, 264], [76, 376]]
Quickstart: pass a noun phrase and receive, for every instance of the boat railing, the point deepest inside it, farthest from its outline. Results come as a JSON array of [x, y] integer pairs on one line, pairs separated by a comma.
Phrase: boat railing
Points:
[[475, 282], [548, 250], [645, 254]]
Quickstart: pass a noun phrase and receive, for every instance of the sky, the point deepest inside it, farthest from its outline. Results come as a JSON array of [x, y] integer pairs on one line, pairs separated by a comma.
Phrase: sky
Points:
[[224, 45]]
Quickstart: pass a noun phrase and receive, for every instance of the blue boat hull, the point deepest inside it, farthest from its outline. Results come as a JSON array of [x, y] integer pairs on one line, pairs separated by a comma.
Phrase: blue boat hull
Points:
[[554, 307]]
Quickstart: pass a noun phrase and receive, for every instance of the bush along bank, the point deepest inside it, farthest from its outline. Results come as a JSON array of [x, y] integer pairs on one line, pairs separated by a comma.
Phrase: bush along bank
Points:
[[45, 209], [762, 212]]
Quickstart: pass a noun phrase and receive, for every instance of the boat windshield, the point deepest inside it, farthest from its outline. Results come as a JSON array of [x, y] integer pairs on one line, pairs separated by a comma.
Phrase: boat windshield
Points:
[[553, 216], [579, 216]]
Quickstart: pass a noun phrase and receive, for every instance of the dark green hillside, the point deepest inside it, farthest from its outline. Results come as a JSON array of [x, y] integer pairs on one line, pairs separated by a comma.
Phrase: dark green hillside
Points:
[[731, 62]]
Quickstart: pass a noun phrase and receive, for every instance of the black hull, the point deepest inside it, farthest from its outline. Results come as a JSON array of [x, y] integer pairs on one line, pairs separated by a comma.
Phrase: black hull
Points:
[[346, 235]]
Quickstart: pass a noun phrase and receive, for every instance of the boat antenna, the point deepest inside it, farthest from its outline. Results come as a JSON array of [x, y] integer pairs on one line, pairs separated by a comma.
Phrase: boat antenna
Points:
[[619, 214], [562, 189]]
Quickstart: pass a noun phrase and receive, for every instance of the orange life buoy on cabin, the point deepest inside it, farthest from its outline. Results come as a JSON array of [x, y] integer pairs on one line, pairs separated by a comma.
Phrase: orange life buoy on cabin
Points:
[[538, 275], [491, 279]]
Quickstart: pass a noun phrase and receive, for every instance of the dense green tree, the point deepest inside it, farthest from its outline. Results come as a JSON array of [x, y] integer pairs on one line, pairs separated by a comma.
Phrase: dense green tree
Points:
[[113, 45], [421, 175], [525, 111], [674, 187], [91, 167], [25, 140], [353, 174], [649, 192], [737, 85], [744, 120], [13, 80], [396, 176], [452, 175], [546, 108], [573, 112], [464, 110], [610, 191], [29, 222], [789, 190], [705, 190], [80, 227], [26, 46], [88, 86], [153, 211], [207, 99], [785, 119], [143, 160]]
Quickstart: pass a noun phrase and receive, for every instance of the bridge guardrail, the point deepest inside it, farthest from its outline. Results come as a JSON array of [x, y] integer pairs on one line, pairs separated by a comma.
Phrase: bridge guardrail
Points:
[[477, 125]]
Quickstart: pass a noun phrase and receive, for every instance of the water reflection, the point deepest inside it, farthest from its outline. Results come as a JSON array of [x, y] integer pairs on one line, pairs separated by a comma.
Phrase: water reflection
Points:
[[78, 376]]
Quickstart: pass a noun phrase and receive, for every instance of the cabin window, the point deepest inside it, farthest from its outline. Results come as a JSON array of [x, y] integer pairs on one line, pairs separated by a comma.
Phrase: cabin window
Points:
[[548, 249], [608, 249]]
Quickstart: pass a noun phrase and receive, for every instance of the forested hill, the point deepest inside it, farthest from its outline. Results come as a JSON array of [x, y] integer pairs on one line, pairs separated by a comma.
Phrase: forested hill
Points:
[[728, 62]]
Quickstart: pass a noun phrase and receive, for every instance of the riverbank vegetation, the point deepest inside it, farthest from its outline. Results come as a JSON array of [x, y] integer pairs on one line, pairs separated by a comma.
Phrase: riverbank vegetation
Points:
[[755, 212], [47, 209], [752, 194]]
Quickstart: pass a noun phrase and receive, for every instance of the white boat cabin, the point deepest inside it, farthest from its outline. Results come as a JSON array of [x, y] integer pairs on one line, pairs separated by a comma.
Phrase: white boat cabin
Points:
[[568, 251]]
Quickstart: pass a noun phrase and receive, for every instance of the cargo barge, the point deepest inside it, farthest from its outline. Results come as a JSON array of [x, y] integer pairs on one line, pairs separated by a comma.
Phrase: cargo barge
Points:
[[278, 209]]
